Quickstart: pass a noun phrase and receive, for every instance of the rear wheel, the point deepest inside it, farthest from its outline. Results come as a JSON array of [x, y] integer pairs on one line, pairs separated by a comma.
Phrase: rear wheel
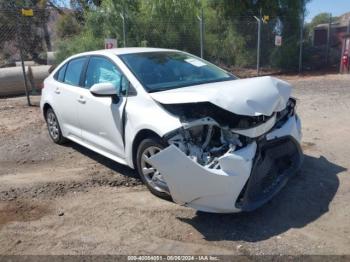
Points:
[[152, 178], [54, 127]]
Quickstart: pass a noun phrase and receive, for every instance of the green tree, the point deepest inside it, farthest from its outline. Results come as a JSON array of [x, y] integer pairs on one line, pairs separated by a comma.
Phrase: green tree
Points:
[[170, 24], [321, 18], [67, 26], [230, 28], [284, 15], [158, 23]]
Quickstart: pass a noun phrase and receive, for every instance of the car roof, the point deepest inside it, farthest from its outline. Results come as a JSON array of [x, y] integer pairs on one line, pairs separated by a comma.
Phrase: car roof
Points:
[[128, 50]]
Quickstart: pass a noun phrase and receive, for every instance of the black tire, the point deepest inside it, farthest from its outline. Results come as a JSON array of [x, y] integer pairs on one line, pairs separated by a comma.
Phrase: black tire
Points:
[[54, 127], [149, 143]]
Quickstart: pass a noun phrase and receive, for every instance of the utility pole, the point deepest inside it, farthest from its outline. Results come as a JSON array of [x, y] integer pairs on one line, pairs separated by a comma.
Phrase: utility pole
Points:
[[258, 44], [301, 40], [201, 32], [328, 37]]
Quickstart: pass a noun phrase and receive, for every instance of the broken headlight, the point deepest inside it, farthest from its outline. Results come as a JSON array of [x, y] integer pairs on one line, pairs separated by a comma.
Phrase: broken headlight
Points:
[[287, 112]]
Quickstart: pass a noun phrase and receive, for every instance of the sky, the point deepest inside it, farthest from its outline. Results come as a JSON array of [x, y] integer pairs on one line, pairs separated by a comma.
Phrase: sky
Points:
[[336, 7]]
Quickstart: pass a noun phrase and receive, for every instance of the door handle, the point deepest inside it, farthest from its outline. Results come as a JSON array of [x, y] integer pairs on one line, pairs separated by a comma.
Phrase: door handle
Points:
[[81, 100], [57, 91]]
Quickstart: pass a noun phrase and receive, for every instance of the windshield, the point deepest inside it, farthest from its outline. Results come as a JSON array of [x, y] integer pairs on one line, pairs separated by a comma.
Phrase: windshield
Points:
[[158, 71]]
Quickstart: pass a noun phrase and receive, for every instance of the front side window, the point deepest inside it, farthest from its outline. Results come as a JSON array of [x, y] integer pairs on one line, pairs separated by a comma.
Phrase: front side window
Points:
[[73, 71], [102, 70], [158, 71]]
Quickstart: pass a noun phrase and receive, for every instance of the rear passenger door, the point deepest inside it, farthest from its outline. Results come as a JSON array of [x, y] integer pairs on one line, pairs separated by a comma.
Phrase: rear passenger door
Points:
[[67, 94]]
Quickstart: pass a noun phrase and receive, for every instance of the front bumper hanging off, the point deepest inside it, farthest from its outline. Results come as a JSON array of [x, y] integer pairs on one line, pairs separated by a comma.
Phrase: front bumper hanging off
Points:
[[248, 177]]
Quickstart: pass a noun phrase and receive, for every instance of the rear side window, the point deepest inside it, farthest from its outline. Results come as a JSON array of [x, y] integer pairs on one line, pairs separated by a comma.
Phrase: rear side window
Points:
[[73, 71], [59, 76]]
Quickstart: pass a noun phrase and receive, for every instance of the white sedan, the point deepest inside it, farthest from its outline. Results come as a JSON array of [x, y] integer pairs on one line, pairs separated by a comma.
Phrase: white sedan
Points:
[[194, 132]]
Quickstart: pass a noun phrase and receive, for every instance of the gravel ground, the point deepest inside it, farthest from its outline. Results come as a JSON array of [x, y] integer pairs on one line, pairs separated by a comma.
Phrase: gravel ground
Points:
[[69, 200]]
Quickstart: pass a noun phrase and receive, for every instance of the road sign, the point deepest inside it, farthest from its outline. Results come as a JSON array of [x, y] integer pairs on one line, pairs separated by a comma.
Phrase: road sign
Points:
[[27, 12], [266, 19], [111, 43], [278, 40]]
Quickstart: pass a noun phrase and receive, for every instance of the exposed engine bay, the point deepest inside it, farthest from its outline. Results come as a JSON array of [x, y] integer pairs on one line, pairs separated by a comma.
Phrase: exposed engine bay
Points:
[[210, 132]]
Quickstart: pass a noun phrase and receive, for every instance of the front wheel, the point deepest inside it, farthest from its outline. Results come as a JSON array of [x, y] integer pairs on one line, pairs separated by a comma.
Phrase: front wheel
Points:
[[152, 178]]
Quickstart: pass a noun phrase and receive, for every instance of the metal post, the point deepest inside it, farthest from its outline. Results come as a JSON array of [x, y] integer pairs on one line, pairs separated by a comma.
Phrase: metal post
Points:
[[20, 46], [201, 31], [258, 46], [328, 37], [301, 40], [122, 15], [341, 56]]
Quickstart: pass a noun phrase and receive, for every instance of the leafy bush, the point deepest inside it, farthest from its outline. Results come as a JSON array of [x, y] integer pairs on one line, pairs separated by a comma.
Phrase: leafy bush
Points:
[[77, 44]]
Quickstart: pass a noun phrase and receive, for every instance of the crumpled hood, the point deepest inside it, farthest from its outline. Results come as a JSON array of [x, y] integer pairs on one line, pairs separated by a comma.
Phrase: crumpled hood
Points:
[[251, 97]]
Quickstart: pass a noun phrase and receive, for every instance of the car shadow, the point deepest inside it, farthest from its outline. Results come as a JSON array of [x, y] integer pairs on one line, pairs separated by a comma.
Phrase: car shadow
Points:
[[115, 166], [305, 198]]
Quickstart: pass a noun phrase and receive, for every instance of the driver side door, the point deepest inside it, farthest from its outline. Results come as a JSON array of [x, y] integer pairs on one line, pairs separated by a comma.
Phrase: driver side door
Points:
[[101, 117]]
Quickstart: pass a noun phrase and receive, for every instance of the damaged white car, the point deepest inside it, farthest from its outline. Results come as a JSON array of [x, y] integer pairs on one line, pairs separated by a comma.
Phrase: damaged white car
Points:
[[194, 132]]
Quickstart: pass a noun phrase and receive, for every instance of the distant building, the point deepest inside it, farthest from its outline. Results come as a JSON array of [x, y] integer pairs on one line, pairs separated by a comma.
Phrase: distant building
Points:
[[338, 29]]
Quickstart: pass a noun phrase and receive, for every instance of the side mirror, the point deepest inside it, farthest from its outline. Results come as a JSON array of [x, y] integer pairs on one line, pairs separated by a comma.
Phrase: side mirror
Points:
[[103, 89]]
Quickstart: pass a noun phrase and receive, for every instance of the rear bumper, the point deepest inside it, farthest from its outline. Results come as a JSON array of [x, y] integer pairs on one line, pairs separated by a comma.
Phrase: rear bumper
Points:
[[247, 179]]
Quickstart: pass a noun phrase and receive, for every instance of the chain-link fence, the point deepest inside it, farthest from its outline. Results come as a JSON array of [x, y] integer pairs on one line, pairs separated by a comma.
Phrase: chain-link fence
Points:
[[246, 45], [255, 44], [24, 42], [9, 51], [325, 46]]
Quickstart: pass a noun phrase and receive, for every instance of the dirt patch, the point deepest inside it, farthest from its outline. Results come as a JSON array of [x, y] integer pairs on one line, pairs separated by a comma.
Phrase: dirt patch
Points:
[[21, 211], [52, 190]]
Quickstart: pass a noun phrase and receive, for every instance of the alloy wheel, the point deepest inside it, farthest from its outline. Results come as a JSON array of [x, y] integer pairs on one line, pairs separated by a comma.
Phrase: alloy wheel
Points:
[[152, 175]]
